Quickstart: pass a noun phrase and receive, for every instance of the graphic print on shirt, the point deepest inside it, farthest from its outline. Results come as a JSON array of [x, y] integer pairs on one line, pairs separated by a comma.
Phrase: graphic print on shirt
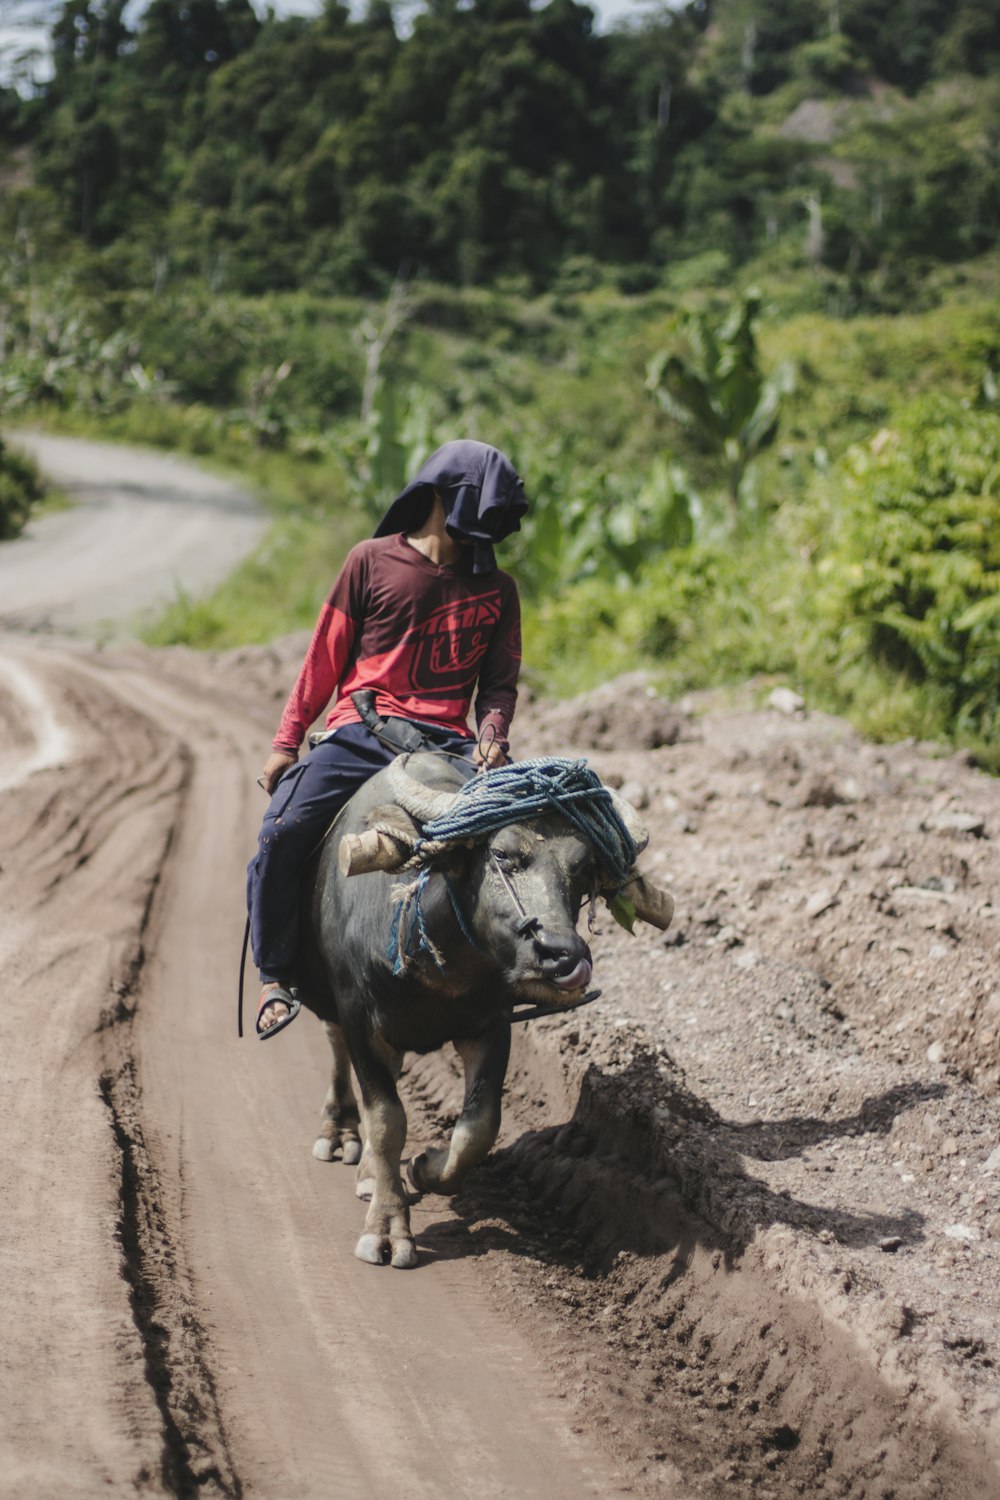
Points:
[[445, 649]]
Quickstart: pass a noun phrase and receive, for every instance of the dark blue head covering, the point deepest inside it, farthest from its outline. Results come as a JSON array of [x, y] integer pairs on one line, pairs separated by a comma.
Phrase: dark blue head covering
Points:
[[482, 495]]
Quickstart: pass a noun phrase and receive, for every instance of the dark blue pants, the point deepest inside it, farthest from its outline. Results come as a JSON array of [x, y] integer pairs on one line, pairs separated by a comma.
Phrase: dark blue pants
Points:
[[305, 803]]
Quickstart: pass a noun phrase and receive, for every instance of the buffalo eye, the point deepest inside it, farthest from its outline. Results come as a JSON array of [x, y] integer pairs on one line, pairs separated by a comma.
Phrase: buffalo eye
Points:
[[508, 857]]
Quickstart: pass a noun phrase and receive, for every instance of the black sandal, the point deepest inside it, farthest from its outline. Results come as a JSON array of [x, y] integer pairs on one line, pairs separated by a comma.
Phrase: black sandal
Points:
[[277, 992]]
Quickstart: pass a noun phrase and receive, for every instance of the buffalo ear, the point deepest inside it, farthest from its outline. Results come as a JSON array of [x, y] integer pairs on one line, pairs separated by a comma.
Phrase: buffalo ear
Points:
[[651, 903], [639, 898]]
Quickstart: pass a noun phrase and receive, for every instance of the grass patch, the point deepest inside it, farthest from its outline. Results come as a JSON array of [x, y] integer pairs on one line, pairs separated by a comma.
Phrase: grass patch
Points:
[[278, 589]]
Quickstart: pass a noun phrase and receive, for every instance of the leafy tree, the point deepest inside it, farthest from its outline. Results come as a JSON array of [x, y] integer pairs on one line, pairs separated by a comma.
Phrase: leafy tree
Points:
[[721, 391], [496, 140]]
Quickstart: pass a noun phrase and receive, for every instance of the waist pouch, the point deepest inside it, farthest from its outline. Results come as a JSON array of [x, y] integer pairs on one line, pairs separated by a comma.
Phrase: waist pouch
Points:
[[398, 735]]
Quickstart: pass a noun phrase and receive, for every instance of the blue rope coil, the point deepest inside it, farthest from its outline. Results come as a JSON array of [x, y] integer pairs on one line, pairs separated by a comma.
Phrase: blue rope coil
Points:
[[530, 789]]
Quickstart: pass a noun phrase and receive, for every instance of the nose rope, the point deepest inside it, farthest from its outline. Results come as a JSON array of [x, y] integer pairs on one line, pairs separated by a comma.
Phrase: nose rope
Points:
[[526, 924]]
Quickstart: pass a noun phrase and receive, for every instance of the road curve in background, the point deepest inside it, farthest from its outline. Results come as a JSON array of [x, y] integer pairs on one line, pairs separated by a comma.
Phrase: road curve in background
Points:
[[143, 527]]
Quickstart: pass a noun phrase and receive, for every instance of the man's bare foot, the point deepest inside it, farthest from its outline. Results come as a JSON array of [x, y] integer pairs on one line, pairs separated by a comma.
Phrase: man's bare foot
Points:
[[275, 1007]]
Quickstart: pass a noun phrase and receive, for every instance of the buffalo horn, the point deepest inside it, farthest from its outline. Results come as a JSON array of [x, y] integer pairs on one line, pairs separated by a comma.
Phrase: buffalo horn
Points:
[[651, 904], [424, 803], [361, 853], [636, 827]]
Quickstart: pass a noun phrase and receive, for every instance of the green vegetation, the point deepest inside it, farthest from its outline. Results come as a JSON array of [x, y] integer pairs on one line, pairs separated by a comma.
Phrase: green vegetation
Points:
[[724, 395], [909, 560], [723, 282], [21, 488], [197, 142], [862, 565], [878, 594]]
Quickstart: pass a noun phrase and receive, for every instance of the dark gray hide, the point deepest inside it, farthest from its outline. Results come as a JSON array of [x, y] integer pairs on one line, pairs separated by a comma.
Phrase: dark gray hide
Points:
[[374, 1017]]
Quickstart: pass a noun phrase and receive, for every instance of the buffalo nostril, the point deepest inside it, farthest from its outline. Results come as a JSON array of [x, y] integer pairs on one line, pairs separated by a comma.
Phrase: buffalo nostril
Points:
[[560, 953]]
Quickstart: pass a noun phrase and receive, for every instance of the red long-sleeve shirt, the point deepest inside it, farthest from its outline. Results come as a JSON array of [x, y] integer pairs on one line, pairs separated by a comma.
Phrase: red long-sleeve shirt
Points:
[[423, 636]]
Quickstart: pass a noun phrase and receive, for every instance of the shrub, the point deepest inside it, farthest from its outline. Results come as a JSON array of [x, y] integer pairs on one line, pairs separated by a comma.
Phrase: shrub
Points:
[[20, 488], [910, 571]]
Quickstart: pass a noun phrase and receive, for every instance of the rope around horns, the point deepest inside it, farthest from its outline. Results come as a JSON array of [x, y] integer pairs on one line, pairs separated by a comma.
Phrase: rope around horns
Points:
[[529, 789]]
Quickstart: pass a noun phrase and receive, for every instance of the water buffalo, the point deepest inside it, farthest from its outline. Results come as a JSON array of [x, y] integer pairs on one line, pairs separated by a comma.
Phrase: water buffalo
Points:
[[491, 926]]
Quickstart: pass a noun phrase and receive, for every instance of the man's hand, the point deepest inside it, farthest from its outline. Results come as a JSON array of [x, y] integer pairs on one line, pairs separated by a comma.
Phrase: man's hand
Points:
[[488, 756], [277, 765]]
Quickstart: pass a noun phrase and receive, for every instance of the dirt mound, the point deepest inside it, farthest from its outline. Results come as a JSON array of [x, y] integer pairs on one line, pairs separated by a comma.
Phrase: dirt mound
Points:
[[624, 712], [697, 1329], [798, 1086]]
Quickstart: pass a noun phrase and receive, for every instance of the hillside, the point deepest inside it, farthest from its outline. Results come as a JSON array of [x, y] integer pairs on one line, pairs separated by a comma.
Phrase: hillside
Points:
[[723, 282], [500, 141]]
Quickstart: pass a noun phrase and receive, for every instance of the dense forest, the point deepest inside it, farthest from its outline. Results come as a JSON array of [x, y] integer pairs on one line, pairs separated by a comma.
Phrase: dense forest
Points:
[[498, 139], [724, 282]]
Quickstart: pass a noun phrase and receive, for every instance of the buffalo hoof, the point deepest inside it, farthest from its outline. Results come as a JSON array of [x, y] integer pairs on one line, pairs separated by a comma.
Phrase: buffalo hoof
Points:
[[404, 1255], [350, 1151], [415, 1172], [364, 1189], [376, 1249]]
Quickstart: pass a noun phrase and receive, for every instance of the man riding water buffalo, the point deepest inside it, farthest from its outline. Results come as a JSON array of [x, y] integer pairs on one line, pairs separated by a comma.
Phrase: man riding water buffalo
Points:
[[422, 617]]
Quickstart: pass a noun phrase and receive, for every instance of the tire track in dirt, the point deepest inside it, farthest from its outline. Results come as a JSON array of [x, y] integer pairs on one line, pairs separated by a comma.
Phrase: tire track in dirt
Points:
[[77, 884], [195, 1457], [32, 716]]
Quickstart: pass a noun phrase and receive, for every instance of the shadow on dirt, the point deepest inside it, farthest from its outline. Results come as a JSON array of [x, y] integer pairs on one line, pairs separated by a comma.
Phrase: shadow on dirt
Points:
[[638, 1223], [645, 1166]]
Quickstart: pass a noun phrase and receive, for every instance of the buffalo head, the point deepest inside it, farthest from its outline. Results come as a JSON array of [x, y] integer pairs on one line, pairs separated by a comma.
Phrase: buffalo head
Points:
[[520, 891]]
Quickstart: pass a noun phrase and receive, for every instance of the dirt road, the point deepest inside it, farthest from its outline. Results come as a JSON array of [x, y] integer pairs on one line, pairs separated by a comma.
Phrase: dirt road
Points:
[[142, 527], [182, 1311], [740, 1235]]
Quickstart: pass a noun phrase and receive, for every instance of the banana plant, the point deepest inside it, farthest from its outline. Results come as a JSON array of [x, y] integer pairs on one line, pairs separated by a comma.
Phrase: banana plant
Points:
[[721, 393]]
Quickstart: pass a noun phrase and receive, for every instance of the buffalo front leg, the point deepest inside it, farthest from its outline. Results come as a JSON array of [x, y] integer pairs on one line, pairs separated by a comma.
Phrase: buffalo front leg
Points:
[[387, 1225], [485, 1062], [339, 1124]]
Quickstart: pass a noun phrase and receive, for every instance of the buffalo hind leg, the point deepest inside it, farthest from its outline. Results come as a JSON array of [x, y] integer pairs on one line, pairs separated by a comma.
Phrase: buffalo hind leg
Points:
[[364, 1185], [485, 1062], [387, 1224], [340, 1120]]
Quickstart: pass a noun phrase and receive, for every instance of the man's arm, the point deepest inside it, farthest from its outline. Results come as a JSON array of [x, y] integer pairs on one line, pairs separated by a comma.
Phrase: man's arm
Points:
[[318, 677], [322, 670], [496, 698]]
